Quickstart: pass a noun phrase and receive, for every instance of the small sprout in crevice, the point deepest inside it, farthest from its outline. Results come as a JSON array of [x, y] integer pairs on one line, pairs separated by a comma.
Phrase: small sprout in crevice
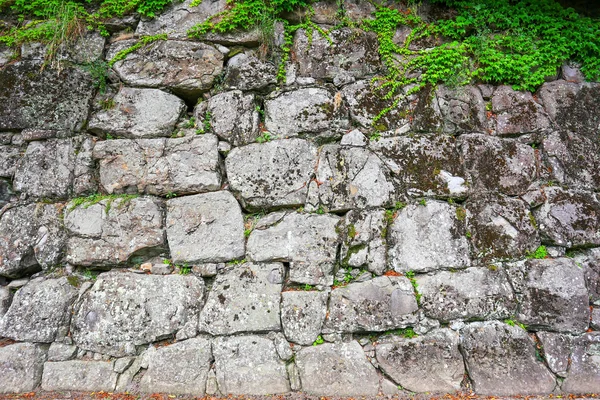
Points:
[[319, 341], [170, 195], [265, 137], [539, 253], [423, 202], [375, 137]]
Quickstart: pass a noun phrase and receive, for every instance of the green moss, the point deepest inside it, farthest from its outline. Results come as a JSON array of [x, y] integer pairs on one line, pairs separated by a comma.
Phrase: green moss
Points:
[[351, 231], [96, 198], [73, 280], [539, 253], [461, 214]]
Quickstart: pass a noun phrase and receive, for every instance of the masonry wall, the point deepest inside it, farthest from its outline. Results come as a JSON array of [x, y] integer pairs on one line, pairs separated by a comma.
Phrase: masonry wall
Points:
[[201, 228]]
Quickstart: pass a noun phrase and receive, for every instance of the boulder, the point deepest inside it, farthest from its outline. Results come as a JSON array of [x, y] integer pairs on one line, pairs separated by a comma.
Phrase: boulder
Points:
[[501, 361], [380, 304], [31, 238], [272, 174], [569, 218], [159, 166], [428, 237], [352, 177], [498, 165], [21, 367], [340, 369], [9, 159], [302, 315], [244, 298], [462, 109], [585, 365], [307, 241], [249, 365], [212, 219], [114, 231], [245, 71], [518, 113], [472, 294], [234, 117], [186, 68], [142, 309], [79, 375], [40, 311], [429, 363], [138, 113], [304, 111], [552, 294], [180, 368], [364, 240], [557, 351], [425, 165]]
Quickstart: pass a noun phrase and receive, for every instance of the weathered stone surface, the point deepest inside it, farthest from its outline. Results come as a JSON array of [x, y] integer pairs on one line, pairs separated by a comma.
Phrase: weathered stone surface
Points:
[[337, 370], [569, 219], [123, 310], [9, 159], [138, 113], [590, 261], [501, 227], [244, 298], [463, 109], [61, 352], [348, 54], [517, 113], [500, 360], [379, 304], [186, 68], [40, 311], [429, 363], [425, 165], [427, 238], [245, 71], [364, 241], [354, 138], [585, 365], [272, 174], [552, 294], [21, 367], [573, 106], [6, 192], [501, 165], [31, 238], [302, 315], [557, 351], [234, 117], [352, 177], [5, 300], [475, 293], [249, 365], [180, 368], [211, 219], [159, 166], [46, 99], [79, 375], [114, 232], [310, 110], [85, 49], [307, 241], [55, 168], [574, 159]]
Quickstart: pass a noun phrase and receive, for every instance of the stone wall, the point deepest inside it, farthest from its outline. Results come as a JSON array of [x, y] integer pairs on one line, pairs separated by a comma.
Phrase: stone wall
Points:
[[281, 241]]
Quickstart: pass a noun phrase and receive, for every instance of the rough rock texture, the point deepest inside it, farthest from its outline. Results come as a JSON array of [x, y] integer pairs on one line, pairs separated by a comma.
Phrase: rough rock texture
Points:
[[475, 293], [213, 219], [244, 298], [159, 166], [308, 242], [310, 110], [424, 165], [569, 219], [234, 117], [249, 365], [245, 71], [337, 370], [181, 368], [40, 311], [302, 315], [61, 352], [21, 367], [557, 351], [364, 243], [9, 159], [463, 109], [114, 232], [500, 360], [380, 304], [138, 113], [552, 294], [517, 113], [585, 365], [272, 174], [142, 309], [79, 375], [186, 68], [429, 363], [5, 300], [428, 237], [31, 238], [591, 270]]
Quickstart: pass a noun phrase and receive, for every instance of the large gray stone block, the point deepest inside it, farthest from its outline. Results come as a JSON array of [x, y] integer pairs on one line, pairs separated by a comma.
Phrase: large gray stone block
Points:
[[79, 375], [233, 117], [21, 367], [364, 240], [302, 315], [124, 310], [584, 372], [245, 71], [213, 220], [517, 113], [462, 109]]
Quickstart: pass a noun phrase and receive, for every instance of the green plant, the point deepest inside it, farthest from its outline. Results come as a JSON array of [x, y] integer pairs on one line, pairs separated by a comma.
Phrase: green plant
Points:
[[375, 137], [107, 104], [190, 123], [237, 262], [512, 322], [411, 277], [319, 341], [320, 210], [109, 136], [98, 70], [166, 262], [408, 333], [88, 274], [539, 253], [143, 42], [351, 231], [184, 269], [265, 137], [308, 287], [170, 195], [90, 200], [468, 235], [205, 124], [423, 202]]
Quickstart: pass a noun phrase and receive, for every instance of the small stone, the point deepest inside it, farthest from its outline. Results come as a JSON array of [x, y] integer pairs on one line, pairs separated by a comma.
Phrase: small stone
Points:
[[121, 364], [5, 300], [284, 350], [61, 352], [354, 138], [303, 314], [18, 283], [585, 366], [126, 377], [234, 117], [161, 269], [294, 376], [207, 270], [595, 323], [557, 351], [364, 241], [89, 376], [245, 71], [147, 267]]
